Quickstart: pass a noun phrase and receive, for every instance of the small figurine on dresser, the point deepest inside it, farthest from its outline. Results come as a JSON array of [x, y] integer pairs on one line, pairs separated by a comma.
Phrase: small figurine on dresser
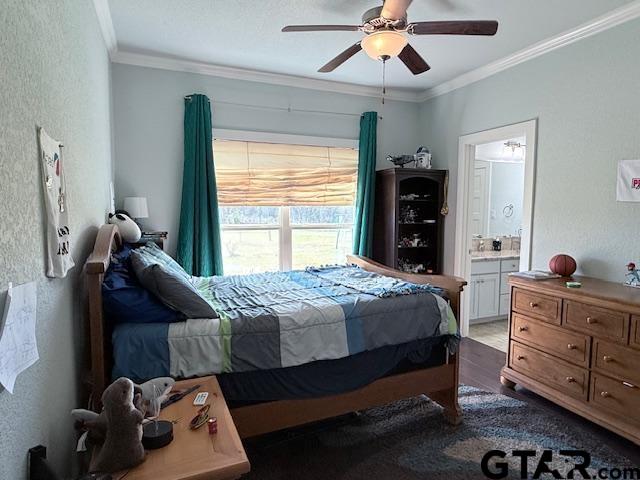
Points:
[[633, 276]]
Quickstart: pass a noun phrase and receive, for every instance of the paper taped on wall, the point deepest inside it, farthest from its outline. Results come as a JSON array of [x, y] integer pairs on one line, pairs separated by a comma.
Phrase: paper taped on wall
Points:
[[628, 186], [18, 348]]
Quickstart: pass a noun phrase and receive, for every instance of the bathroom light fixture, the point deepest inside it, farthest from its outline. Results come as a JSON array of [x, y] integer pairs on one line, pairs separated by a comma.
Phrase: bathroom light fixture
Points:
[[513, 145]]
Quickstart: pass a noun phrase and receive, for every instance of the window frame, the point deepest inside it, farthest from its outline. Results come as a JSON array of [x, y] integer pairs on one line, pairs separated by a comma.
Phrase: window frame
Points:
[[285, 233], [284, 227]]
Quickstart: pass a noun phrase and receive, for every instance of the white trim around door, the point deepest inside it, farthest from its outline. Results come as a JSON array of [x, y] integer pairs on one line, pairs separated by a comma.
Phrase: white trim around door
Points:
[[466, 157]]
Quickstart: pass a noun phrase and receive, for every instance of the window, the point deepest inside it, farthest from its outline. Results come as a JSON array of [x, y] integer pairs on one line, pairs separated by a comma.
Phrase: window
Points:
[[284, 206]]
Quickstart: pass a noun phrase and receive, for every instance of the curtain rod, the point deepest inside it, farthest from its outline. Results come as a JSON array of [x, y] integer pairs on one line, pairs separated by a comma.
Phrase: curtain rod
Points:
[[286, 109]]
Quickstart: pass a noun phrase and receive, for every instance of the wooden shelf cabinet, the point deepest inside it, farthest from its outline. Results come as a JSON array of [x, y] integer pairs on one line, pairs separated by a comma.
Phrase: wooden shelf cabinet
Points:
[[579, 348], [402, 190]]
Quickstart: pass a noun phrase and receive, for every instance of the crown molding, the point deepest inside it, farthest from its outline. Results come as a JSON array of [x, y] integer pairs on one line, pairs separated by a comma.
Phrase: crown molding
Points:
[[180, 65], [609, 20], [106, 25]]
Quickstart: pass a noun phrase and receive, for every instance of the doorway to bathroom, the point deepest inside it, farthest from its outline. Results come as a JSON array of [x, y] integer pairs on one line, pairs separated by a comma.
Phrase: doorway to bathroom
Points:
[[493, 232]]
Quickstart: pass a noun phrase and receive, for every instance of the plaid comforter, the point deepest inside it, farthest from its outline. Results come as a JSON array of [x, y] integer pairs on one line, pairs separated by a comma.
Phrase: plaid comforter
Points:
[[283, 319]]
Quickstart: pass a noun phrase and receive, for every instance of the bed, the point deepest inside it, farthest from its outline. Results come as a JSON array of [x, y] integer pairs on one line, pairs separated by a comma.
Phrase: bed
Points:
[[332, 366]]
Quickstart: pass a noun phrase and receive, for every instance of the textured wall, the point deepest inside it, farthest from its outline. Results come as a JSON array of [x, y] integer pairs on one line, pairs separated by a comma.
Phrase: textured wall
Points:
[[586, 99], [148, 113], [55, 73]]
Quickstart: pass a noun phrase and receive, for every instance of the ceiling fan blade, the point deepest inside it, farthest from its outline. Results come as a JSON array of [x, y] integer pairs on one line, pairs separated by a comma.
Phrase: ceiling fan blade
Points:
[[395, 9], [321, 28], [340, 59], [463, 27], [413, 60]]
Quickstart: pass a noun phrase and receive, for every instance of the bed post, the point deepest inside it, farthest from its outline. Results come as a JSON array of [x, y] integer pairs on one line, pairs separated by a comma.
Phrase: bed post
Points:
[[448, 397], [107, 240]]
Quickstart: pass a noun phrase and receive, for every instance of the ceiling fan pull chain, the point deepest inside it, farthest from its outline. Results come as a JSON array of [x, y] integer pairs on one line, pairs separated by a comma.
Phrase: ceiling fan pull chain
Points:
[[384, 85]]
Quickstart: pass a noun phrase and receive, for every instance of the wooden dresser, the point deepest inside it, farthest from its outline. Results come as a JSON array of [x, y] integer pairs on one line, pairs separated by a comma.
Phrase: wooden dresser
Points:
[[580, 348]]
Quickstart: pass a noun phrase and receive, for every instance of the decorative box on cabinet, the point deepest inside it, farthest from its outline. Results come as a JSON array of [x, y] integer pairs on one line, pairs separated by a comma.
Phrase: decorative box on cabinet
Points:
[[580, 348], [423, 191]]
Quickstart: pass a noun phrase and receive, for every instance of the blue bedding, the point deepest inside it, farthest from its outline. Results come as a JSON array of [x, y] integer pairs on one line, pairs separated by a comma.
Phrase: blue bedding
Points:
[[285, 319]]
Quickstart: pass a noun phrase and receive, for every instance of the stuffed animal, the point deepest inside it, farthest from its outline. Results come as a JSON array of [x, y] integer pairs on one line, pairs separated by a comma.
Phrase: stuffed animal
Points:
[[122, 446], [153, 393], [148, 399], [129, 230]]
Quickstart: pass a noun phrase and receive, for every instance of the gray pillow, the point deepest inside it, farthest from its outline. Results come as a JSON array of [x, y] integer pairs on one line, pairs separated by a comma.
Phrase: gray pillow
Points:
[[170, 287], [156, 255]]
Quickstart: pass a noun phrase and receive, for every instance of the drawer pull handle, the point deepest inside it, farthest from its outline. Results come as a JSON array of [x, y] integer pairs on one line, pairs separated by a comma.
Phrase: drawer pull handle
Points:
[[533, 305], [520, 357], [629, 385], [591, 321], [607, 359], [605, 394], [571, 380], [571, 346], [523, 328]]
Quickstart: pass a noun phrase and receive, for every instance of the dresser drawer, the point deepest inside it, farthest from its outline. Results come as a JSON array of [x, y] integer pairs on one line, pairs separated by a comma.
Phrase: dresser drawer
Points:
[[549, 370], [554, 340], [635, 332], [540, 306], [616, 397], [616, 360], [596, 321]]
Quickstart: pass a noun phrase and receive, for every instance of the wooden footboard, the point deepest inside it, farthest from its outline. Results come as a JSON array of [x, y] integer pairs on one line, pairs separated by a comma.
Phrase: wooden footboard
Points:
[[438, 383]]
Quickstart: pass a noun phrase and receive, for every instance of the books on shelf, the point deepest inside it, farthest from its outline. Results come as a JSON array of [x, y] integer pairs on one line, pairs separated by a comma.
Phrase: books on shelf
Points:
[[536, 275], [154, 236]]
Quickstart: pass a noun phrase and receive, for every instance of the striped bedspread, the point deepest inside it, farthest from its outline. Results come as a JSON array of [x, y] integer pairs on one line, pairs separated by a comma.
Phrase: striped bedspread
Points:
[[283, 319]]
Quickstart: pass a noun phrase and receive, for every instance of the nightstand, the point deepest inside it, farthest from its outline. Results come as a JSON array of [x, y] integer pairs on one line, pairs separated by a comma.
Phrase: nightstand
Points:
[[194, 454], [156, 237]]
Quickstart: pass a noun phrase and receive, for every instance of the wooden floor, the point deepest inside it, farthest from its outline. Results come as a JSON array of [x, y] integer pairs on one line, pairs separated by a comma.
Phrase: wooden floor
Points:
[[480, 367]]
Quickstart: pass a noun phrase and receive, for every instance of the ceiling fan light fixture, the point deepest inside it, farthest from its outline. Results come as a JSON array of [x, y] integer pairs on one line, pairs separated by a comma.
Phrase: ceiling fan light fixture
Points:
[[384, 44]]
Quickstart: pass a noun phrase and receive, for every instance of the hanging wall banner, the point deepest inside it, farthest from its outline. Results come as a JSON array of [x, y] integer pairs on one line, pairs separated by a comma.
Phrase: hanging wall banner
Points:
[[628, 186], [59, 260]]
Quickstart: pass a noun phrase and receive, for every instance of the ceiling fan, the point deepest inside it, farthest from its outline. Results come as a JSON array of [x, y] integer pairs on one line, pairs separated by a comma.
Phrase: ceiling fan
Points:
[[386, 28]]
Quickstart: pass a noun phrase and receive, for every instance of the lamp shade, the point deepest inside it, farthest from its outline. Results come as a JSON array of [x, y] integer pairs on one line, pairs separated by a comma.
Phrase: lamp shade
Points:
[[136, 206], [384, 44]]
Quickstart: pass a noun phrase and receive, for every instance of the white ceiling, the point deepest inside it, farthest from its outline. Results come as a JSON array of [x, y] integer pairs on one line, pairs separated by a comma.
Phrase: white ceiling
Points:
[[246, 34]]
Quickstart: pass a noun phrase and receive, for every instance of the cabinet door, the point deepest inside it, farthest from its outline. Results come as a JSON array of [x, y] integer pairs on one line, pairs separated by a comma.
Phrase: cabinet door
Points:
[[488, 290], [473, 301], [505, 303]]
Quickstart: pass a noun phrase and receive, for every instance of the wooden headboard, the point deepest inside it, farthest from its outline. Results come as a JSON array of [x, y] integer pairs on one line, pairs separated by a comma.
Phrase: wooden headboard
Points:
[[109, 241]]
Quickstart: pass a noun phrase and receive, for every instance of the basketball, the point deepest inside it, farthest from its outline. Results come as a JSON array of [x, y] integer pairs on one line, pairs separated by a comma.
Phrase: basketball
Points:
[[563, 265]]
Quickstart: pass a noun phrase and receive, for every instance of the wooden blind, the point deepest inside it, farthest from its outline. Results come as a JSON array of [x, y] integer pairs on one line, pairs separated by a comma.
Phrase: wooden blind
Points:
[[271, 174]]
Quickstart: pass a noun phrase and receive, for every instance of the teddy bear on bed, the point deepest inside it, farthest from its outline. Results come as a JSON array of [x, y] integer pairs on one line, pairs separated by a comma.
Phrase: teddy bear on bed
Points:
[[129, 229]]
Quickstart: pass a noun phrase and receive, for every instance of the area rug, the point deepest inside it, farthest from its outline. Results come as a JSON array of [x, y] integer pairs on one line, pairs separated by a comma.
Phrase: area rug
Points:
[[410, 440]]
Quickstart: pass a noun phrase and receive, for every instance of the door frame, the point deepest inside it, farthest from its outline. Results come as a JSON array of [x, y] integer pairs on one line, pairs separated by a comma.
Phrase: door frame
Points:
[[466, 157]]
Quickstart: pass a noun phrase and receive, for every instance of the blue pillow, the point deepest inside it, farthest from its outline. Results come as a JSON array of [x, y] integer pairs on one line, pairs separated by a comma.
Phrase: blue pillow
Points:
[[125, 300]]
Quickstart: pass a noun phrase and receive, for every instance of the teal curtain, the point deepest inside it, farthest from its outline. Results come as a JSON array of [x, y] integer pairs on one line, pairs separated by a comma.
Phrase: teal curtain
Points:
[[365, 194], [199, 249]]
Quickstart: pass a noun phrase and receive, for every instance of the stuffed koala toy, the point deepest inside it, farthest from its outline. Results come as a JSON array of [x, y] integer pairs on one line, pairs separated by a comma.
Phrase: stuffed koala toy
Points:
[[129, 230], [122, 446], [148, 398]]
